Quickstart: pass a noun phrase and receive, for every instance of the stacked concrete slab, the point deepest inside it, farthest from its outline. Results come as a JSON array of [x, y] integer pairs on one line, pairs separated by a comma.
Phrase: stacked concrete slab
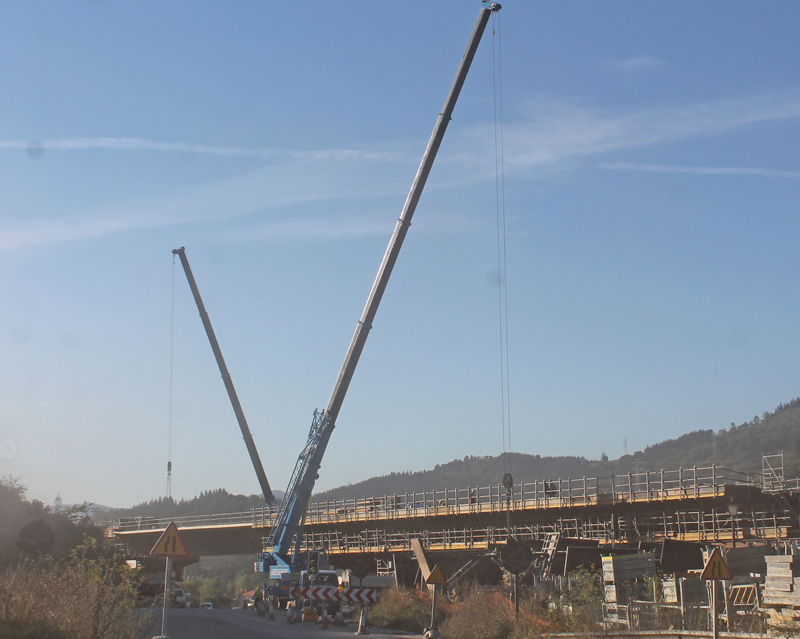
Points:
[[782, 586], [619, 573], [782, 593]]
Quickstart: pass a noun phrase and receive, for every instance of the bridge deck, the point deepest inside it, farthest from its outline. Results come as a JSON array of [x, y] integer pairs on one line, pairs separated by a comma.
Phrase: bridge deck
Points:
[[684, 504], [642, 487]]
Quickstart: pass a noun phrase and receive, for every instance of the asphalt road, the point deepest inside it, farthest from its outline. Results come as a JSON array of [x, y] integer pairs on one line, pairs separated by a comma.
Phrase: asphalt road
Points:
[[226, 623]]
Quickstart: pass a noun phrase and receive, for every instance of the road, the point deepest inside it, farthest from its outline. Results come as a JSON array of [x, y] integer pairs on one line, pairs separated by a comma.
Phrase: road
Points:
[[226, 623]]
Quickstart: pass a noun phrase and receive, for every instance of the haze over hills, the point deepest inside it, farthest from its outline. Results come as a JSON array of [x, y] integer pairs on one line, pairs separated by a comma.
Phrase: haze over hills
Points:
[[739, 447]]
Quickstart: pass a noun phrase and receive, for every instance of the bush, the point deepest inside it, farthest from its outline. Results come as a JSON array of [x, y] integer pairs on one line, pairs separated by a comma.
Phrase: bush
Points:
[[579, 608], [482, 615], [402, 609], [91, 596], [490, 614]]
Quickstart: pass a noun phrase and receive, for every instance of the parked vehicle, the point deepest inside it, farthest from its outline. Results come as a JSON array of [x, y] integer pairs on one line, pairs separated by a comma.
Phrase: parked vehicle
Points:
[[180, 598], [304, 579]]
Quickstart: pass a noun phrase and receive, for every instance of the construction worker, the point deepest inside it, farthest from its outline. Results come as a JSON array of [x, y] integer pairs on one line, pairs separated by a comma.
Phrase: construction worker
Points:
[[258, 598]]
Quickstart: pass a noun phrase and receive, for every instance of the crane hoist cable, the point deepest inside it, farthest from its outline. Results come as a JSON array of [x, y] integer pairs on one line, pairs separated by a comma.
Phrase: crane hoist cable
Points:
[[171, 370], [502, 262]]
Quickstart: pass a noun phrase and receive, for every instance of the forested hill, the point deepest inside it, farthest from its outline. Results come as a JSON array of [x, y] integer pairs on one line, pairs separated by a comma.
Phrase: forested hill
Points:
[[206, 503], [738, 447]]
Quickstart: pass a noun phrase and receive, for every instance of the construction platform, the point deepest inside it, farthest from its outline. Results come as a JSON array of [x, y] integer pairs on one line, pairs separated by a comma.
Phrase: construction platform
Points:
[[687, 504]]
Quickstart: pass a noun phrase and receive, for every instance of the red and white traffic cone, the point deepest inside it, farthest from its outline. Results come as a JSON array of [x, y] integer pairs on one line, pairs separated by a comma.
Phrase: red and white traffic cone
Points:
[[362, 622], [326, 620]]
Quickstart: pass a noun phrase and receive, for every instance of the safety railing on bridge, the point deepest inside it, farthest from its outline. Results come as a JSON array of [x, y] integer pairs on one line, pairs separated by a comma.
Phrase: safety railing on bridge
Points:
[[711, 525], [636, 486], [257, 517], [643, 486]]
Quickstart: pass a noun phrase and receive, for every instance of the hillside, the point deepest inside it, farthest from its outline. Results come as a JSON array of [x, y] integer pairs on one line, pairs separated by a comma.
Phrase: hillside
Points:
[[738, 447], [207, 502]]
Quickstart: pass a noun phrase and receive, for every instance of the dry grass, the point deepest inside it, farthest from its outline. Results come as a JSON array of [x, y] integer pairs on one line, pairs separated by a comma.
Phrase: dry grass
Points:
[[402, 609], [488, 614], [481, 616], [84, 598]]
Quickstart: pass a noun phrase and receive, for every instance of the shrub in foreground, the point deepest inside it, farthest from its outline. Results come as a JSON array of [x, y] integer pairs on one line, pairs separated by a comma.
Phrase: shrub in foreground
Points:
[[482, 615], [88, 597], [490, 614], [402, 609]]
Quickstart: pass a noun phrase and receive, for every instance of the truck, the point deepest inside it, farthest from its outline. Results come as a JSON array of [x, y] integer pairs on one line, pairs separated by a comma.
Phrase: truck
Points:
[[283, 592]]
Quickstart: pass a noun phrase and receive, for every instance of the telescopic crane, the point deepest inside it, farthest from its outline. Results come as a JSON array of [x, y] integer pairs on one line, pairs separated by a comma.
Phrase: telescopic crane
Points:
[[269, 498], [287, 528]]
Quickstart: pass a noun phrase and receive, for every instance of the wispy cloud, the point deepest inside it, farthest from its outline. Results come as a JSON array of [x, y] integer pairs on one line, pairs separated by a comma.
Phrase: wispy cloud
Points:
[[306, 179], [548, 134], [700, 170], [313, 228], [135, 144], [552, 132], [36, 147]]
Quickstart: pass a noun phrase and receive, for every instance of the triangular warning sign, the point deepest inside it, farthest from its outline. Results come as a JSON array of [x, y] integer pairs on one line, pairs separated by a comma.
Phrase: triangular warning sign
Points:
[[436, 578], [716, 568], [170, 544]]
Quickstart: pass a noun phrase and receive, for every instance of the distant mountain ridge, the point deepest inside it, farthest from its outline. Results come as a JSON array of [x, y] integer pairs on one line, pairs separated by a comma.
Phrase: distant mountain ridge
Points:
[[206, 503], [739, 447]]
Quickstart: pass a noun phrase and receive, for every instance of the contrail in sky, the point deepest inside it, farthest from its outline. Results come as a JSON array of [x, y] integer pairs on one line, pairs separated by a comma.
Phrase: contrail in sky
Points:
[[549, 133], [140, 144], [700, 170]]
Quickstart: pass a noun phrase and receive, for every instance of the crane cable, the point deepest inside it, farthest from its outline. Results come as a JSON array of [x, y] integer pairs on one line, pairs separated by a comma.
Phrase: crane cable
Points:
[[502, 265], [171, 369]]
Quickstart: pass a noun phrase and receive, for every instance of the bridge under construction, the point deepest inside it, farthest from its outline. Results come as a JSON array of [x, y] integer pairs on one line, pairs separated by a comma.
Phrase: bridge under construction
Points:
[[700, 504]]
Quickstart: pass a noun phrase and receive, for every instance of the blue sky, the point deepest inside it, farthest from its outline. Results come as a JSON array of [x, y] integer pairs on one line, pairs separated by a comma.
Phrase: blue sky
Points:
[[651, 186]]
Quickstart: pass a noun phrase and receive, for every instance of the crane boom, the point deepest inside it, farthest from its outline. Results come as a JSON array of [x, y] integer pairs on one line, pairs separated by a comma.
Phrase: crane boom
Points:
[[269, 498], [301, 484]]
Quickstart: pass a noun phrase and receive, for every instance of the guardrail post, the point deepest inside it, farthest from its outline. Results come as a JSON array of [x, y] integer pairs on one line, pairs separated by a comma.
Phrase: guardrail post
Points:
[[613, 490], [714, 478]]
